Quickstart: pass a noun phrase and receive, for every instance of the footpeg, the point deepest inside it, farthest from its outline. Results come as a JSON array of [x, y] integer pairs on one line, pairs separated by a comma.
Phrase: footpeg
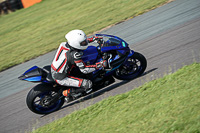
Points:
[[88, 91], [77, 95]]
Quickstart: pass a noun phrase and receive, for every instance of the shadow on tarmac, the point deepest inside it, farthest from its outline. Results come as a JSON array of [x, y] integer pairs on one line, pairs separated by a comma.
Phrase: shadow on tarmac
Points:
[[102, 91]]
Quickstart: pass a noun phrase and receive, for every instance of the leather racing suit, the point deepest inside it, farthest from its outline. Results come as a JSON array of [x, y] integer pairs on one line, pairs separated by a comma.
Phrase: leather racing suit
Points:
[[66, 58]]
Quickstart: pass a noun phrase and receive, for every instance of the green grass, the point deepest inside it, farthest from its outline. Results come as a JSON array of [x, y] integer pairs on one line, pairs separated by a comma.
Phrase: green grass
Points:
[[169, 104], [28, 33]]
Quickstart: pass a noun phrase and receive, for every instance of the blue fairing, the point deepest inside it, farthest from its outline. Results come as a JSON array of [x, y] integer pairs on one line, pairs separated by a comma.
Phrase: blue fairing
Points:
[[114, 43], [34, 74], [90, 55], [34, 79], [131, 53], [32, 68]]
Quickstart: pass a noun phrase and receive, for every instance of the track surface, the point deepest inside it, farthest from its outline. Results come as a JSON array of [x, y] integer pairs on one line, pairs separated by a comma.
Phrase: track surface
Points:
[[168, 36]]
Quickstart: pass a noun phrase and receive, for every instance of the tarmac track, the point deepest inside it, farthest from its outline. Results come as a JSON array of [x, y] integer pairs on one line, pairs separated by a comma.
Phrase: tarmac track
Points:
[[168, 36]]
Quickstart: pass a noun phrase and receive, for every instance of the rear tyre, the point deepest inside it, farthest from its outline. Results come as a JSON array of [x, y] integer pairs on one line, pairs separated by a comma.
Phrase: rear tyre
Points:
[[132, 68], [38, 99]]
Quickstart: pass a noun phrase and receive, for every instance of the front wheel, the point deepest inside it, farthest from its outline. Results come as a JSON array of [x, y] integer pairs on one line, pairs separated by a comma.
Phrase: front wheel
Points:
[[39, 97], [132, 68]]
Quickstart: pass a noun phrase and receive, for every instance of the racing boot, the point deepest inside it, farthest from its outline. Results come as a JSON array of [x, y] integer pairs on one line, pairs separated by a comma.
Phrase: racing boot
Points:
[[72, 94], [67, 94], [86, 85]]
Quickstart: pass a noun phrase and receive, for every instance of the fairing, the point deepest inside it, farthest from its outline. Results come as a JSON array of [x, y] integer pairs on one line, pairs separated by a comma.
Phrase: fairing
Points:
[[114, 43], [110, 43], [90, 55], [34, 74]]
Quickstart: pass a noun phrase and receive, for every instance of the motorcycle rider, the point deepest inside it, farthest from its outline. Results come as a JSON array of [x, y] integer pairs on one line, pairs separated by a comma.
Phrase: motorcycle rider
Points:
[[68, 56]]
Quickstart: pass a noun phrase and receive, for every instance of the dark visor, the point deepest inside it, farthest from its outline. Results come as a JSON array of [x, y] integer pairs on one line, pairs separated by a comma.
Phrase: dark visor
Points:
[[84, 43]]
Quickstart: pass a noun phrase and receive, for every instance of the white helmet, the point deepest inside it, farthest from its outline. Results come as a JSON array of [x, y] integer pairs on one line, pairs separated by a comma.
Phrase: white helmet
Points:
[[77, 39]]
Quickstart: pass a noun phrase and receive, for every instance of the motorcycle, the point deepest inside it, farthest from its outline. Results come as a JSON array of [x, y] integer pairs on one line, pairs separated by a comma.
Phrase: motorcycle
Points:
[[124, 64]]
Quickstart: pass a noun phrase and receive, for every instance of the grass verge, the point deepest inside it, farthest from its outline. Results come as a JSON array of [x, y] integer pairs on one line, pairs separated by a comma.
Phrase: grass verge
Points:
[[168, 104], [30, 32]]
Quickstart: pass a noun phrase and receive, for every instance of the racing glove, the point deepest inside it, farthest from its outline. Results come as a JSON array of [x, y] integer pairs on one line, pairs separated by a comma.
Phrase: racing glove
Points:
[[102, 64], [92, 39]]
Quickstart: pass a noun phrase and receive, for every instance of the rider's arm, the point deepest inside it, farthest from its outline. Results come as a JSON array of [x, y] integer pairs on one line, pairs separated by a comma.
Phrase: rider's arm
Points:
[[82, 66], [92, 39]]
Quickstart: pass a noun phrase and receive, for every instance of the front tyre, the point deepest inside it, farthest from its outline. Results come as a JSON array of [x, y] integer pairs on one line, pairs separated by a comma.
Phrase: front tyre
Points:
[[132, 68], [39, 97]]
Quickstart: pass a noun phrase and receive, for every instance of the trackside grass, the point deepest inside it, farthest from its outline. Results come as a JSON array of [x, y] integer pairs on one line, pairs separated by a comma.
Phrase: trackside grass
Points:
[[168, 104], [28, 33]]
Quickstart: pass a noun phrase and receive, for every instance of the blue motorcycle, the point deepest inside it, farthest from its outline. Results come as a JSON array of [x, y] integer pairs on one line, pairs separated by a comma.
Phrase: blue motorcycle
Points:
[[124, 64]]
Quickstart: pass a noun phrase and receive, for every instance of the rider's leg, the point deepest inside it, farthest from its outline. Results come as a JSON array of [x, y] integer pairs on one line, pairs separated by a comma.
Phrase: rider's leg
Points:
[[80, 84], [69, 81]]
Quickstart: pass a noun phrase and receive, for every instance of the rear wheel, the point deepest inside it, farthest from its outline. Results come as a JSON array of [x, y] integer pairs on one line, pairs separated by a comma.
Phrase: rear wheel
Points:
[[39, 99], [132, 68]]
